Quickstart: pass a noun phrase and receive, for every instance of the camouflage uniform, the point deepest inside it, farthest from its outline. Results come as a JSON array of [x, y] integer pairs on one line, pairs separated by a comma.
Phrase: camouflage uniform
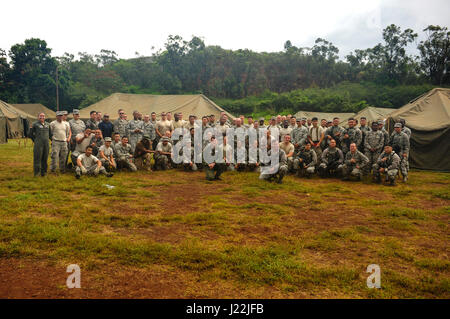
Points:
[[400, 144], [142, 159], [375, 140], [219, 166], [350, 169], [354, 136], [124, 156], [277, 173], [299, 135], [120, 126], [134, 137], [77, 127], [308, 164], [149, 129], [332, 162], [332, 130], [60, 133], [364, 131], [92, 124], [391, 165], [162, 161]]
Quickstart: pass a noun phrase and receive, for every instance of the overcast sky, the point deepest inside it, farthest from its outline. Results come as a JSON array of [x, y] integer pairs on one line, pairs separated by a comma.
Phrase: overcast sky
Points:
[[264, 25]]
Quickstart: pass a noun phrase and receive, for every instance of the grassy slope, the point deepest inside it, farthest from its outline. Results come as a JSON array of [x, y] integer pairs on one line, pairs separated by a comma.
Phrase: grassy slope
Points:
[[242, 237]]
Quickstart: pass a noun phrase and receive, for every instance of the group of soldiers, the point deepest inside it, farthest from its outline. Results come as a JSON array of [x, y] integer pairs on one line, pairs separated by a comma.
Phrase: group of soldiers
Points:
[[304, 147]]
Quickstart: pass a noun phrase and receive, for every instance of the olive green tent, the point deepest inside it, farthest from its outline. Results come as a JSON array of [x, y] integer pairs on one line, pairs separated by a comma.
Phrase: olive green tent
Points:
[[428, 117], [371, 113], [198, 105], [17, 121], [35, 109], [322, 115]]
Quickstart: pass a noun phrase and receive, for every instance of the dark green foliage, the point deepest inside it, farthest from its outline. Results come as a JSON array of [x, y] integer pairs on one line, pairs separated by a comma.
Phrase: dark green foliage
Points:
[[243, 81]]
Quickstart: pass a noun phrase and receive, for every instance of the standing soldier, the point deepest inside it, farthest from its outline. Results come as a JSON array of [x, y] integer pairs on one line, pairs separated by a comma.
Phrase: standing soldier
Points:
[[120, 125], [373, 146], [60, 133], [365, 129], [77, 126], [400, 144], [134, 130], [405, 129], [40, 135], [350, 135], [355, 161], [385, 133], [299, 135], [218, 164], [316, 135], [288, 149], [334, 132], [387, 164], [92, 122], [149, 129]]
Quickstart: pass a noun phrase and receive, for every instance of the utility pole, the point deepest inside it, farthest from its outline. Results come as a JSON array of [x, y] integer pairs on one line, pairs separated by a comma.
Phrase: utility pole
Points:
[[57, 90]]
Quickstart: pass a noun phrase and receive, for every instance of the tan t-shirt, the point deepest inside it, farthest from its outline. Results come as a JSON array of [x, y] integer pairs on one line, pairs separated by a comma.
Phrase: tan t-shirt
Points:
[[60, 131], [287, 148], [164, 126]]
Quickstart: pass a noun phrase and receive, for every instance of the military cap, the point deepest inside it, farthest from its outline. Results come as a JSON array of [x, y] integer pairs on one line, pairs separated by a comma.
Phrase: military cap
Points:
[[76, 111], [59, 113], [398, 125], [329, 121], [165, 139], [146, 136], [108, 139], [380, 122], [261, 119], [304, 118], [65, 112], [273, 118], [299, 119]]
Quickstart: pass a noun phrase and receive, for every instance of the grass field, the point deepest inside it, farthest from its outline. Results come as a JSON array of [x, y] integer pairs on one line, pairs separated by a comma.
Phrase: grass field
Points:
[[173, 234]]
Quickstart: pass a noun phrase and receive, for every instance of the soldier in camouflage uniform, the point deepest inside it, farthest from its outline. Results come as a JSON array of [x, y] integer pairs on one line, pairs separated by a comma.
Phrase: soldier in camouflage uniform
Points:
[[216, 166], [365, 129], [124, 155], [60, 132], [163, 154], [385, 133], [405, 129], [350, 135], [149, 129], [106, 155], [305, 161], [120, 125], [299, 135], [332, 161], [373, 146], [334, 132], [388, 164], [277, 172], [135, 129], [77, 126], [400, 143], [92, 122], [40, 135], [354, 163]]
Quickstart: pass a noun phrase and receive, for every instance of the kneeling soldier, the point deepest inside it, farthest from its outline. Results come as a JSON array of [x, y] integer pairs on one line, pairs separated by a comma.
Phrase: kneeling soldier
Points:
[[106, 153], [305, 161], [332, 160], [163, 154], [124, 155], [355, 161], [143, 153], [88, 164], [387, 164]]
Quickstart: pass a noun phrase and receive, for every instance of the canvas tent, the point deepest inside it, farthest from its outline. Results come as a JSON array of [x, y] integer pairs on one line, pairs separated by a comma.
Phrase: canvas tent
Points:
[[3, 129], [198, 105], [428, 117], [35, 109], [371, 113], [321, 115], [17, 121]]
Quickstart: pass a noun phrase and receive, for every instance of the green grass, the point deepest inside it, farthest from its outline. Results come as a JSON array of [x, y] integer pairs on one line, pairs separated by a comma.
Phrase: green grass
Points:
[[305, 237]]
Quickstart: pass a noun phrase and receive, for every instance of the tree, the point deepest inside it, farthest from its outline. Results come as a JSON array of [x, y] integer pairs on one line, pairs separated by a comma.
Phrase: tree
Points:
[[435, 54]]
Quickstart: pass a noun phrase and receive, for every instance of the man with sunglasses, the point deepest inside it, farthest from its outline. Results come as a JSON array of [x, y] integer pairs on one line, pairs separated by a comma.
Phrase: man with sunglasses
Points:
[[120, 125]]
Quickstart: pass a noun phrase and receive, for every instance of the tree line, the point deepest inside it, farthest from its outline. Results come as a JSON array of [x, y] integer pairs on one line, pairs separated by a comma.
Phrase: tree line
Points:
[[244, 81]]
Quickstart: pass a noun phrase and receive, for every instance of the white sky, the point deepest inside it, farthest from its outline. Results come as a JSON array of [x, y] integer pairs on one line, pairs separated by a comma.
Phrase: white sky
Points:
[[132, 25]]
